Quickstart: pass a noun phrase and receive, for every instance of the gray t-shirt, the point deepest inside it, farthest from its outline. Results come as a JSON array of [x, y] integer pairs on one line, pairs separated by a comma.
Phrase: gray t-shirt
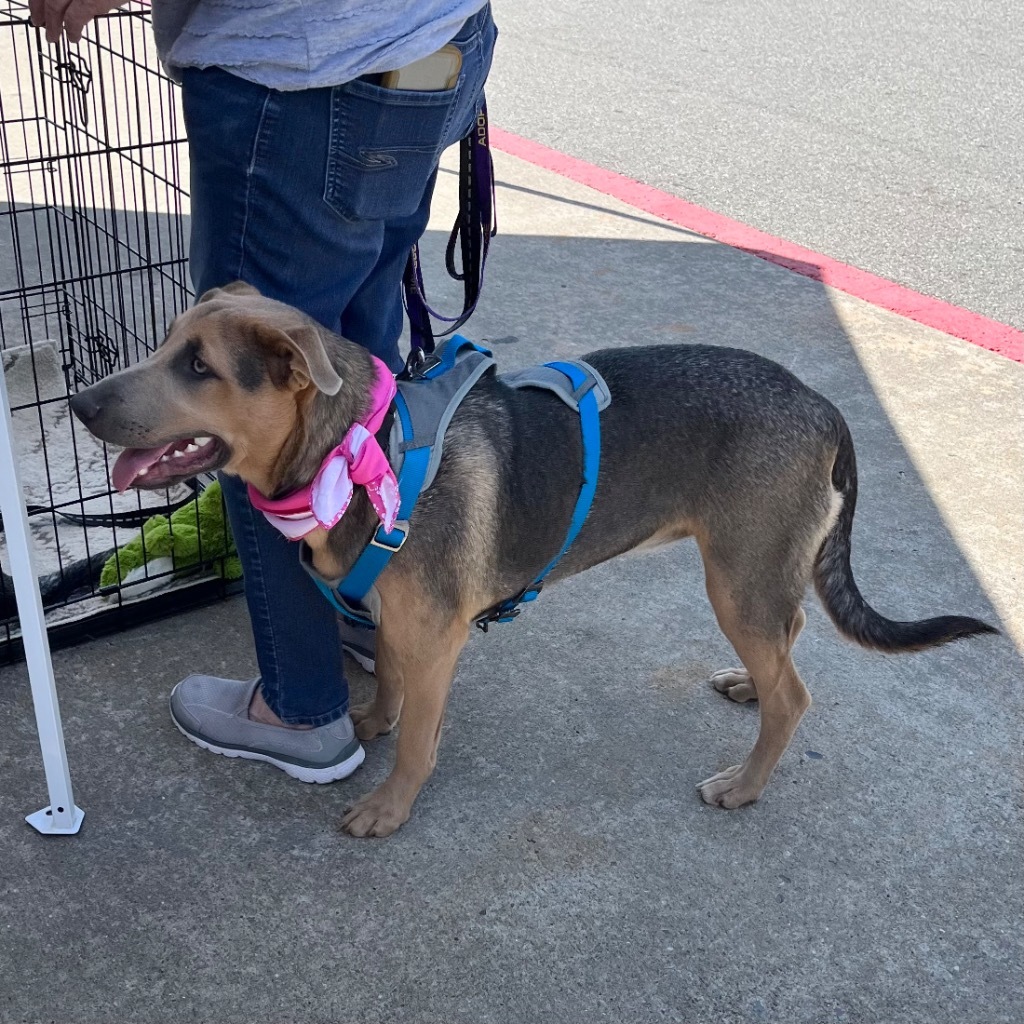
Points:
[[304, 44]]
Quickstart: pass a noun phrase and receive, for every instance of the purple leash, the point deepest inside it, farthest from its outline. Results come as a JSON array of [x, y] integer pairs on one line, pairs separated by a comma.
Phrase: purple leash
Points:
[[474, 228]]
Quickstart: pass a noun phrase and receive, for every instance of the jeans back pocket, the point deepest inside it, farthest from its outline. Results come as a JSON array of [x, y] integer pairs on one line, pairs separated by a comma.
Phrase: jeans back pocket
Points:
[[385, 143]]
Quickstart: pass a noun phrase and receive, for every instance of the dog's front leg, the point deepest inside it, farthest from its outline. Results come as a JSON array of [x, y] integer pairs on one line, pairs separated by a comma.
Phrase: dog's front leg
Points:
[[417, 650], [380, 715]]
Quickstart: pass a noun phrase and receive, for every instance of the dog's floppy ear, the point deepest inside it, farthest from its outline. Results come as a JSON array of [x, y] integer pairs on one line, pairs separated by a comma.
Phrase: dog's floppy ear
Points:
[[234, 288], [298, 357]]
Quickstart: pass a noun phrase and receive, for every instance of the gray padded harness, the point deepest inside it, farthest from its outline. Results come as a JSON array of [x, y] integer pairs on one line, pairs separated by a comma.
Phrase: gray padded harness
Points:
[[432, 408]]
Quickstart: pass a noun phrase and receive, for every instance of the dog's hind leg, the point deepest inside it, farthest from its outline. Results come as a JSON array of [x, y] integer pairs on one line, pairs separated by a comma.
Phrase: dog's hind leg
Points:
[[762, 626], [418, 647]]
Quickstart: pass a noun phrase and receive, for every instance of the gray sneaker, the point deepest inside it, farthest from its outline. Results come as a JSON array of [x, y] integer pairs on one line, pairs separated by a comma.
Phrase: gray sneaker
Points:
[[360, 642], [214, 713]]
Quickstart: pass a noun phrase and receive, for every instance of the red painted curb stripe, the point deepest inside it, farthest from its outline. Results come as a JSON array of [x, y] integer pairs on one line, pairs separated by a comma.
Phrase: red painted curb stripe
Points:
[[943, 316]]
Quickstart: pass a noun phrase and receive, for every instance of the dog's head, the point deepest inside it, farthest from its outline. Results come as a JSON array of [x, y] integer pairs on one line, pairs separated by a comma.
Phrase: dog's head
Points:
[[233, 386]]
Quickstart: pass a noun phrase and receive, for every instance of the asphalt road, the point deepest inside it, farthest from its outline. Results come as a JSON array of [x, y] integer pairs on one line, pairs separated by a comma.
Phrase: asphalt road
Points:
[[887, 135]]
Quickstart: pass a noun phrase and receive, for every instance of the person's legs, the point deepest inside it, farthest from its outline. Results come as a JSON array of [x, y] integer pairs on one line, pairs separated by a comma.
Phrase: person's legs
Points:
[[246, 202], [315, 198]]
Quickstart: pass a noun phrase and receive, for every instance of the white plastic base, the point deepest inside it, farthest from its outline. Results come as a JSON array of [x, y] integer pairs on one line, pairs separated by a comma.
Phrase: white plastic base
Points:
[[42, 821]]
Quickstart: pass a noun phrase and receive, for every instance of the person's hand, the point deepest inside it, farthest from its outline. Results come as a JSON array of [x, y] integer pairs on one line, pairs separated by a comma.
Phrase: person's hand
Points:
[[69, 16]]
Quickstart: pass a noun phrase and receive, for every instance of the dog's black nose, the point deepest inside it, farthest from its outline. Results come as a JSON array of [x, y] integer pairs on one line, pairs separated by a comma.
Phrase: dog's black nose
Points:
[[85, 406]]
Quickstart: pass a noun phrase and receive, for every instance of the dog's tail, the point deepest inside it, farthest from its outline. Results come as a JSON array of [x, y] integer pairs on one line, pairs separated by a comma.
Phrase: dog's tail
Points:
[[833, 579]]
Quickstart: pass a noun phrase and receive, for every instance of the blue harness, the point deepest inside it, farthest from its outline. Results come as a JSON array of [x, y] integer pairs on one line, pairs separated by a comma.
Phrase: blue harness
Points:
[[424, 407]]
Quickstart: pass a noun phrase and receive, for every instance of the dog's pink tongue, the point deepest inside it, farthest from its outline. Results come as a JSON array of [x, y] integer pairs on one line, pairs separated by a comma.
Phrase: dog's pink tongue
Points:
[[132, 461]]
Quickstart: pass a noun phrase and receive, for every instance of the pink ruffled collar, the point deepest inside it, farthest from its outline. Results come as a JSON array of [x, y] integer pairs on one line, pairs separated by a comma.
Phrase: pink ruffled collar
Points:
[[359, 459]]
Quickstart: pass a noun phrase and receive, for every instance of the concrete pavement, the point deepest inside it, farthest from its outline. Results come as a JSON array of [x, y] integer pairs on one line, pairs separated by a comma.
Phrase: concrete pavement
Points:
[[560, 866], [885, 135]]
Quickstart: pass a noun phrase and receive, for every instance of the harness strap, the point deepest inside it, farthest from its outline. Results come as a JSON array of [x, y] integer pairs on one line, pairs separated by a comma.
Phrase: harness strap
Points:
[[347, 594], [417, 436], [584, 382], [456, 367], [550, 379], [419, 447]]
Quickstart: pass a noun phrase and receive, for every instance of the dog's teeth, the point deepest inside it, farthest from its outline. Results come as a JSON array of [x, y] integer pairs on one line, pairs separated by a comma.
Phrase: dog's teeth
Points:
[[165, 458], [178, 453], [202, 442], [142, 472], [192, 447]]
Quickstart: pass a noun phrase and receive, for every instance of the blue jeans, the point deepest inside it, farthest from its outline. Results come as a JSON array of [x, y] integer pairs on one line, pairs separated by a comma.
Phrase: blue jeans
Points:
[[315, 197]]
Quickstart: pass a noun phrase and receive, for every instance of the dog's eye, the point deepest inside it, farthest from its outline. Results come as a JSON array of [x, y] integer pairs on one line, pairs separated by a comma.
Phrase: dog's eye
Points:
[[199, 368]]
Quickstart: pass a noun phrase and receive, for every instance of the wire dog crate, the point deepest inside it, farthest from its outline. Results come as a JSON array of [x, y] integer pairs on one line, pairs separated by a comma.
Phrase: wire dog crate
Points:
[[92, 267]]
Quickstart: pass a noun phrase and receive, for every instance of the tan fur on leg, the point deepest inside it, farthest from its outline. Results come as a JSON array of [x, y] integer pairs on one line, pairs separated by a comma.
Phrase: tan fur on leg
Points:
[[781, 693], [417, 651]]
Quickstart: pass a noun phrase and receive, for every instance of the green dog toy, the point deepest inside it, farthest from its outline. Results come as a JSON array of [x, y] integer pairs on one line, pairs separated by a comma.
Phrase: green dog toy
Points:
[[172, 545]]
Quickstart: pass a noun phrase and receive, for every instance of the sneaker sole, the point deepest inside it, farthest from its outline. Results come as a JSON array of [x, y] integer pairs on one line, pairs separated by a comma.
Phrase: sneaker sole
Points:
[[365, 661], [320, 776]]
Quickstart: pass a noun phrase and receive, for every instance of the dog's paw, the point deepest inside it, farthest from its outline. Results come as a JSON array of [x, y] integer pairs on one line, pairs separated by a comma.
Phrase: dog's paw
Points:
[[370, 721], [378, 814], [735, 683], [728, 789]]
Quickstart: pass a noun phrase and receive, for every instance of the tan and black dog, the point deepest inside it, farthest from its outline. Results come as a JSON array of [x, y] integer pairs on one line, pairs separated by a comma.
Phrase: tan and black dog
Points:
[[712, 443]]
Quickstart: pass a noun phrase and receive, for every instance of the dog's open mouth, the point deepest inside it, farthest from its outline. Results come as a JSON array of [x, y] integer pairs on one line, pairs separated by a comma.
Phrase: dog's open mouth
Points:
[[168, 463]]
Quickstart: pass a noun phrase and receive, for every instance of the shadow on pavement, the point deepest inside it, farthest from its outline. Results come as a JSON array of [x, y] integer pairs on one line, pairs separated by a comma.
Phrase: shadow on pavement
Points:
[[560, 866]]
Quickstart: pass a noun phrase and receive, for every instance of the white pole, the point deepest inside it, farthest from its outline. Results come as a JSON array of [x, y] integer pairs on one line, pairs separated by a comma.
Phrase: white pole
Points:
[[61, 817]]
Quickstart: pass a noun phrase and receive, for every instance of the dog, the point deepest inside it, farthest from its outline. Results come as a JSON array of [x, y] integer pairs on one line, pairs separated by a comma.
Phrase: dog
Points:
[[713, 443]]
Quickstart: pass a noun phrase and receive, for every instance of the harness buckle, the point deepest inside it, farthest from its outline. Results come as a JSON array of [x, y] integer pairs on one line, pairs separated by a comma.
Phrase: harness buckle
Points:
[[509, 609], [377, 542], [499, 614]]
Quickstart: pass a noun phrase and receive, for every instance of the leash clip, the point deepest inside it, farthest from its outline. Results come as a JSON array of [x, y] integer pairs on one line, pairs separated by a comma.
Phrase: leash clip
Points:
[[418, 364]]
